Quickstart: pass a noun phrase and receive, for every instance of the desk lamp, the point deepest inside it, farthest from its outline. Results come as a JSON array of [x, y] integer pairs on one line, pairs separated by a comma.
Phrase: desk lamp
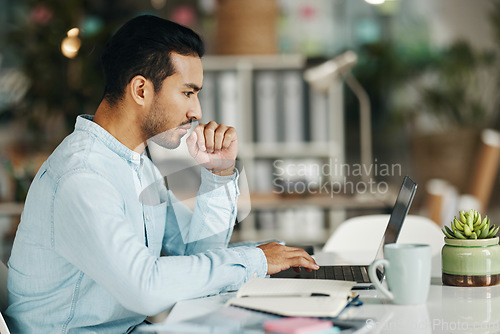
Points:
[[322, 78]]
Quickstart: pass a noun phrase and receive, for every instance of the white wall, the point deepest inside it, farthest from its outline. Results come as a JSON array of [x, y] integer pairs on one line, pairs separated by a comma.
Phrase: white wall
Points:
[[453, 19]]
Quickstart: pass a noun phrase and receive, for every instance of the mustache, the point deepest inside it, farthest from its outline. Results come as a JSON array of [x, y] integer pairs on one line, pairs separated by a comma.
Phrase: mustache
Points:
[[189, 121]]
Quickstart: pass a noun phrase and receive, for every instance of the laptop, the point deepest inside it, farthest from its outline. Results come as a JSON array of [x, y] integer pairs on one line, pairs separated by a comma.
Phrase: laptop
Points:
[[359, 273]]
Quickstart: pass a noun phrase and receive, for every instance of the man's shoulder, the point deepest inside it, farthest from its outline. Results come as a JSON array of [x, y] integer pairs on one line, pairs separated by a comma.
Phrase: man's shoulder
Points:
[[82, 152]]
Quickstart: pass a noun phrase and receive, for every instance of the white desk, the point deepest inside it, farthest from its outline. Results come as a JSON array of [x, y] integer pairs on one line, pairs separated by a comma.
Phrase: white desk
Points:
[[448, 309]]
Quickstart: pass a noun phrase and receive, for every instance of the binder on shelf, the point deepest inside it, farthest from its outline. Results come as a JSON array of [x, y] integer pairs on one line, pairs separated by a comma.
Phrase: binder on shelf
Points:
[[263, 176], [286, 225], [266, 106], [313, 228], [309, 224], [266, 221], [207, 98], [292, 117], [227, 88], [318, 116]]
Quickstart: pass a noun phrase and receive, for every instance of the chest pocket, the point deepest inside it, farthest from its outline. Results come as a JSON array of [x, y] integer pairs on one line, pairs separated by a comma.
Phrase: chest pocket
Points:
[[155, 227], [154, 202]]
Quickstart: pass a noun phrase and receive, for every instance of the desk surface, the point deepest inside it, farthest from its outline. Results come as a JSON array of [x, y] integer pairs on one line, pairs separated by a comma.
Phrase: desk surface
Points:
[[448, 309]]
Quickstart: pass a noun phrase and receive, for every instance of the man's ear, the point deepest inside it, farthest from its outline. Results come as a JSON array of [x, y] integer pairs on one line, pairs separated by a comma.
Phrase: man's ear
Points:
[[140, 89]]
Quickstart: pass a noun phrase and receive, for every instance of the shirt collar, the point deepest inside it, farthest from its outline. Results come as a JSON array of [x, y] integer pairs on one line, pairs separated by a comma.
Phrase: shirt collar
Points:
[[86, 123]]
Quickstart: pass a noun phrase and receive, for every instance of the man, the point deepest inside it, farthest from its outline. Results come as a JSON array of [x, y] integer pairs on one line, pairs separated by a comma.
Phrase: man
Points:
[[90, 254]]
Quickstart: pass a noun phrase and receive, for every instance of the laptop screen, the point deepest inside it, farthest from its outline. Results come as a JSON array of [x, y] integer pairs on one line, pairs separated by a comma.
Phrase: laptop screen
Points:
[[398, 214]]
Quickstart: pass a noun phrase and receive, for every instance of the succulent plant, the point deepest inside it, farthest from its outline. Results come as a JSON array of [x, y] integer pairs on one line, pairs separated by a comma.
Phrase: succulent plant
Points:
[[470, 226]]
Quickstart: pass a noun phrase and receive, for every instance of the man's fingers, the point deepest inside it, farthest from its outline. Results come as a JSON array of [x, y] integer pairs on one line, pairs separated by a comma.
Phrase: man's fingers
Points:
[[220, 132], [282, 257], [206, 145], [213, 137], [229, 137], [199, 130], [301, 258], [307, 256], [299, 252], [191, 140], [304, 262], [209, 133]]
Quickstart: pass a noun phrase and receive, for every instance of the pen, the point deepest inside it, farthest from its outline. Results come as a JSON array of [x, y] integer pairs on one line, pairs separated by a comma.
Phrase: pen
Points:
[[354, 301], [289, 295]]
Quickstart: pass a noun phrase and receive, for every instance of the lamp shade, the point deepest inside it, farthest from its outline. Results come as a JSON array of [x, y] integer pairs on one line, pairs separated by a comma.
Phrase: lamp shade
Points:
[[320, 77]]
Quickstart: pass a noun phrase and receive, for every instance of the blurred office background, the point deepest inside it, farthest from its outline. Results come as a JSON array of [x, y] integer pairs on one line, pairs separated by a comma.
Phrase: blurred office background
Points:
[[430, 68]]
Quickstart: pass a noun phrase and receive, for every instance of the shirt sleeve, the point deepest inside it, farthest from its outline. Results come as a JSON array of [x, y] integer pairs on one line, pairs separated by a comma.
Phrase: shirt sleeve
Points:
[[91, 231], [210, 224]]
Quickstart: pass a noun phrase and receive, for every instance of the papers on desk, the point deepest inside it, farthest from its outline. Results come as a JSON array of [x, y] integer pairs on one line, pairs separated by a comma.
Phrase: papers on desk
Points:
[[294, 297], [209, 315]]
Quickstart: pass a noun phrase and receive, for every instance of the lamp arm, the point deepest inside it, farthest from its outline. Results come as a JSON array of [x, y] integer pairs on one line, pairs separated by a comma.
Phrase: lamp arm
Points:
[[365, 123]]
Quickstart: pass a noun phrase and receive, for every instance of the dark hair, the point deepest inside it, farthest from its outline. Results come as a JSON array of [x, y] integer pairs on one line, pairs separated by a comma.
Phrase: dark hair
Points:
[[142, 46]]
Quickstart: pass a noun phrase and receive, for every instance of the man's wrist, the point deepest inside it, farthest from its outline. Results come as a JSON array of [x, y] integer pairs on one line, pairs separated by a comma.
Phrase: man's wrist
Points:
[[224, 172]]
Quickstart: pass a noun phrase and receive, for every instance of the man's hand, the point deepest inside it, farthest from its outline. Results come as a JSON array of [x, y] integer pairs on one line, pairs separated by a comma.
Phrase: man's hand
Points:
[[281, 257], [214, 146]]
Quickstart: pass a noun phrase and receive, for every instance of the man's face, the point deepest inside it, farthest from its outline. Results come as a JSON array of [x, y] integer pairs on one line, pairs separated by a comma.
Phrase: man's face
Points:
[[176, 104]]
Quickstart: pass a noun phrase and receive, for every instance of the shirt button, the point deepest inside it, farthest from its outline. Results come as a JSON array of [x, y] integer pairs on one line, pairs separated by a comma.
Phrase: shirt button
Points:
[[135, 156], [147, 217]]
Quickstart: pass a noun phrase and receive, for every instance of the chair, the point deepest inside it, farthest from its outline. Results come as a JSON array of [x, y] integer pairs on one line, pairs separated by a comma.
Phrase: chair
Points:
[[422, 230], [3, 297], [361, 233], [3, 326], [364, 233]]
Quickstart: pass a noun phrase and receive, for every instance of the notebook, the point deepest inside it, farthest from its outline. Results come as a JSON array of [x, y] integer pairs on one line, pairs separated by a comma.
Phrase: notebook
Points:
[[359, 273], [294, 298]]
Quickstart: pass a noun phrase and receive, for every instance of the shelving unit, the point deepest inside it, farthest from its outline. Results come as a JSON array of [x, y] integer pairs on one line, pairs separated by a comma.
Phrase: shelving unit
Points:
[[315, 216]]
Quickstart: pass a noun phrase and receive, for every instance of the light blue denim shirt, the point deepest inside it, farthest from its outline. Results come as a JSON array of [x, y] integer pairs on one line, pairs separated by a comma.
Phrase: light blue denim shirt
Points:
[[87, 256]]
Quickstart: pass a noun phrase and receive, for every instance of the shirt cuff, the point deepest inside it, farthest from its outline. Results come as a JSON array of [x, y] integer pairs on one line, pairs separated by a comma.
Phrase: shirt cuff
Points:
[[219, 185], [254, 261], [209, 176]]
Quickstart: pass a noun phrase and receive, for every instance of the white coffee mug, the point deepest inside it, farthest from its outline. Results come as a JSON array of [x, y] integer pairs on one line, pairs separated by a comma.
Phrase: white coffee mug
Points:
[[407, 269]]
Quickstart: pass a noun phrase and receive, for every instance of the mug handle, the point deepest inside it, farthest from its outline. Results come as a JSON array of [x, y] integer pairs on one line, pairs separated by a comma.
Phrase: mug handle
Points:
[[375, 280]]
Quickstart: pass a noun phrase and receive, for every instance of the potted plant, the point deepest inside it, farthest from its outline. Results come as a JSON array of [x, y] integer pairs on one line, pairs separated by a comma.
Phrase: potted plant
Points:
[[471, 254]]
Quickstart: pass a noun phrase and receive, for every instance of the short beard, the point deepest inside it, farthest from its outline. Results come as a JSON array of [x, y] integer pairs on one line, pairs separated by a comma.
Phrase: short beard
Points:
[[153, 129]]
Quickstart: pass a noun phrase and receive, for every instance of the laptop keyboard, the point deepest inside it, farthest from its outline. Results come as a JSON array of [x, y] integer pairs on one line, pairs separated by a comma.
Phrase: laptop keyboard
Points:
[[344, 273], [352, 273]]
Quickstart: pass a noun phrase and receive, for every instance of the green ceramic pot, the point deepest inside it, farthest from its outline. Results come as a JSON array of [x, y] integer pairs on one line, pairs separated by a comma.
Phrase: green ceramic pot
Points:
[[471, 262]]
